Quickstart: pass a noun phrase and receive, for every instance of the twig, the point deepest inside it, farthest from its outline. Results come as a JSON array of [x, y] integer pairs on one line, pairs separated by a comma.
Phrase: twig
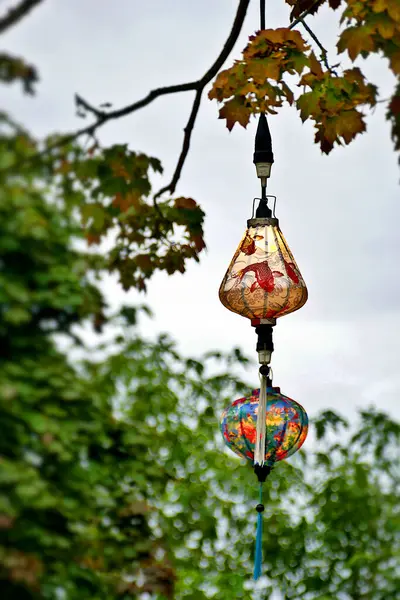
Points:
[[210, 74], [130, 108], [16, 14], [185, 147], [303, 14], [324, 52]]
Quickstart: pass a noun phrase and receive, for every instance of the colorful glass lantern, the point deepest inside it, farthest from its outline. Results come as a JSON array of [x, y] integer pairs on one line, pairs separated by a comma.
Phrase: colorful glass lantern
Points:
[[286, 426], [263, 281]]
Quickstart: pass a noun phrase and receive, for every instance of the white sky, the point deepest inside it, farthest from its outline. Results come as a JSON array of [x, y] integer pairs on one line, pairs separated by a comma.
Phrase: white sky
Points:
[[339, 213]]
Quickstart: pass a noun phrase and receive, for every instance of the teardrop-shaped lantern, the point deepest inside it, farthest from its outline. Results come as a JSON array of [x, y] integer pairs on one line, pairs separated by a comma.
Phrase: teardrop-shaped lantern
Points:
[[287, 426], [263, 281]]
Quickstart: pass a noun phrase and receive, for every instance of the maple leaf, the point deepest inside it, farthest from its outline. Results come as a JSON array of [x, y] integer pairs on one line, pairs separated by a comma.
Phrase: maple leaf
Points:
[[261, 69], [379, 6], [308, 104], [385, 26], [143, 261], [315, 66], [348, 124], [325, 145], [198, 242], [234, 111], [187, 203], [393, 8], [125, 201], [394, 105], [288, 92], [395, 62], [299, 6], [356, 40]]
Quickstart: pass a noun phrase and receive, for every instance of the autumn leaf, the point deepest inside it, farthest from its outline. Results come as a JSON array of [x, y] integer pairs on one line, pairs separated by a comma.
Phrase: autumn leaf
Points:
[[315, 66], [379, 6], [198, 242], [276, 37], [143, 261], [394, 105], [348, 124], [385, 26], [308, 104], [393, 8], [261, 69], [395, 62], [92, 238], [125, 201], [234, 111], [187, 203], [299, 6], [355, 40], [288, 92]]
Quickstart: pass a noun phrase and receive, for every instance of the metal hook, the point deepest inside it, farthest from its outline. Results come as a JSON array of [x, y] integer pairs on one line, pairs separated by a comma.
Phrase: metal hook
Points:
[[267, 196]]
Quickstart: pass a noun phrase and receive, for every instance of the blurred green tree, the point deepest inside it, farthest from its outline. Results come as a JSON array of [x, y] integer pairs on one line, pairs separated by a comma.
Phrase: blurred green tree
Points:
[[114, 480]]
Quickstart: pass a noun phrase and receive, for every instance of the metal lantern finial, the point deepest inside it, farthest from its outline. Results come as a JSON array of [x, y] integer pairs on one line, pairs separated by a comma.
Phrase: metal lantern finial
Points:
[[263, 156]]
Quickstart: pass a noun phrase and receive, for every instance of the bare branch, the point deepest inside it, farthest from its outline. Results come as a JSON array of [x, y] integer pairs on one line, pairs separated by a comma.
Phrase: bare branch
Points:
[[324, 52], [130, 108], [16, 14], [185, 147], [207, 77], [198, 86]]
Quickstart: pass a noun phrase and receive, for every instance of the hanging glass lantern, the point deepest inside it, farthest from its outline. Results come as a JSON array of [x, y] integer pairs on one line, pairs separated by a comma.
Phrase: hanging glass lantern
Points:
[[286, 426], [263, 281]]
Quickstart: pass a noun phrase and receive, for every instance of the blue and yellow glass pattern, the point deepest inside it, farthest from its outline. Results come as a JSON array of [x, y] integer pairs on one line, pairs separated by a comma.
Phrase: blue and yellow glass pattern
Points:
[[287, 426]]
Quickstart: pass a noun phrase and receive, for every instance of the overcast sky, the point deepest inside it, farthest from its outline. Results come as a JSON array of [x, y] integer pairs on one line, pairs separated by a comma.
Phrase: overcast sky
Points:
[[340, 213]]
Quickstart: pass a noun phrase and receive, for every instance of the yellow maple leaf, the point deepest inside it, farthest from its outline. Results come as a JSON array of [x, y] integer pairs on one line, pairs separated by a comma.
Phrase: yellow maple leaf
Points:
[[355, 40], [262, 69], [393, 8], [348, 124], [379, 6], [385, 26], [315, 66], [234, 111]]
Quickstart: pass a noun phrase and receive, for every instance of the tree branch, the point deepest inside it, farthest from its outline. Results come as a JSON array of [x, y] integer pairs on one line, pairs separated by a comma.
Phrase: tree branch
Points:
[[197, 86], [16, 14], [324, 52], [185, 147], [207, 77], [303, 15], [300, 19]]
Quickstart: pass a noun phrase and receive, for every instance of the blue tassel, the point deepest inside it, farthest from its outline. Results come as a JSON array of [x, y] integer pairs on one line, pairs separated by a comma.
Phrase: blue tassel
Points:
[[258, 552]]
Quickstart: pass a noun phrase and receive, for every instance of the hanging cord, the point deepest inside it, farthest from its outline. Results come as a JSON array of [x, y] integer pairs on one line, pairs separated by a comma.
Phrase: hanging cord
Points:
[[262, 14], [261, 429], [262, 27], [258, 551]]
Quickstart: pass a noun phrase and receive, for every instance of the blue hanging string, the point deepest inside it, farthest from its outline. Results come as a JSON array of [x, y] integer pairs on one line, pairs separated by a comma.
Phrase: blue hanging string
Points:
[[258, 552]]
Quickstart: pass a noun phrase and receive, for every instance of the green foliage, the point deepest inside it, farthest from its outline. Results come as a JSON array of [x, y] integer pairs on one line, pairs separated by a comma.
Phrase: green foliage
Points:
[[114, 478], [14, 69], [110, 189]]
